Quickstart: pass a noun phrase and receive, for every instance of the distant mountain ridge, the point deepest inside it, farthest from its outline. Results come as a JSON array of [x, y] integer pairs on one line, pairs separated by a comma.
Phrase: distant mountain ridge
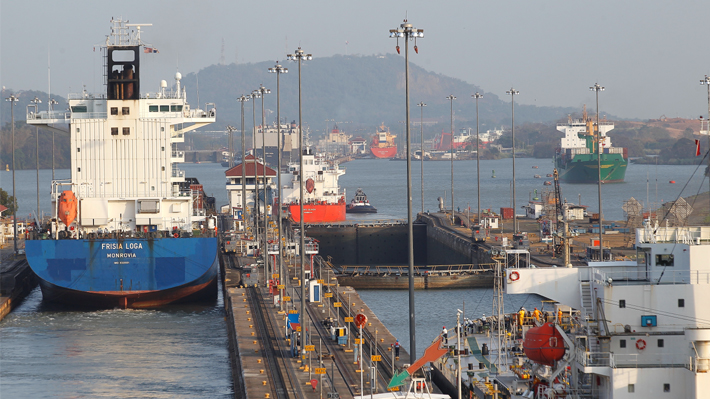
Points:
[[363, 91]]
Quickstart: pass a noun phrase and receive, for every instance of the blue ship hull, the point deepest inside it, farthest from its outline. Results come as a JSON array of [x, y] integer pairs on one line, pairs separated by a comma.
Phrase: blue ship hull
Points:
[[125, 273]]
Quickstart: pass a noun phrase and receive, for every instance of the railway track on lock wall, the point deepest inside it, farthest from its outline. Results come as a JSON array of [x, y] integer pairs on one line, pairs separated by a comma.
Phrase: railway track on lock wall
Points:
[[284, 384]]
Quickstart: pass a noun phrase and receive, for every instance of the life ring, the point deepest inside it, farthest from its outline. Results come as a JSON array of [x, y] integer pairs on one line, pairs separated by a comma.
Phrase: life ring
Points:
[[176, 235], [640, 344], [514, 276]]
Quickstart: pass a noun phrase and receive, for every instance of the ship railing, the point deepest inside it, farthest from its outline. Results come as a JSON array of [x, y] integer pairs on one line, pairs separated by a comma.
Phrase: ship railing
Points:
[[88, 115], [177, 173], [177, 154], [668, 277], [48, 115], [595, 359]]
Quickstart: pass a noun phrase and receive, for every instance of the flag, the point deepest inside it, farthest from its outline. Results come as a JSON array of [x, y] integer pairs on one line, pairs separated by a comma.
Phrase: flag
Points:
[[149, 50], [697, 148]]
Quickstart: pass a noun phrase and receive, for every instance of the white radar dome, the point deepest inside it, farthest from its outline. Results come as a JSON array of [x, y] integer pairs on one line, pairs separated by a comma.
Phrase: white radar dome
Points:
[[163, 84], [178, 76]]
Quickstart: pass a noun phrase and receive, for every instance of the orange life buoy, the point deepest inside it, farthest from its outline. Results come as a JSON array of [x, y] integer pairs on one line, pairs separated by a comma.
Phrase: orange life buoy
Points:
[[176, 235], [514, 276], [640, 344]]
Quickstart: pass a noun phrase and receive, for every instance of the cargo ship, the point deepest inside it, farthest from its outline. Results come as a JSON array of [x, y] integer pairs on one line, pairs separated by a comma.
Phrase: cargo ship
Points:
[[129, 230], [324, 202], [577, 158], [444, 141], [383, 145]]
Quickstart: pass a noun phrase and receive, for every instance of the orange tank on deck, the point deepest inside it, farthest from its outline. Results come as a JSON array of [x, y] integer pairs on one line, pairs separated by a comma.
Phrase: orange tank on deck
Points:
[[67, 207], [544, 344]]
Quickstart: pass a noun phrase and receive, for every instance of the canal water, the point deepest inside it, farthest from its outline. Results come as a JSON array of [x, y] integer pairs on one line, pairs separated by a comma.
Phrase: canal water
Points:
[[181, 351], [174, 352]]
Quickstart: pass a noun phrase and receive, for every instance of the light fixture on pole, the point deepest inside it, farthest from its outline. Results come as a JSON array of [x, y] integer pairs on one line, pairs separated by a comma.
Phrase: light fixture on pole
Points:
[[451, 98], [512, 92], [264, 91], [37, 101], [478, 96], [421, 149], [52, 102], [230, 148], [598, 136], [706, 81], [299, 56], [242, 99], [407, 32], [13, 100], [283, 277]]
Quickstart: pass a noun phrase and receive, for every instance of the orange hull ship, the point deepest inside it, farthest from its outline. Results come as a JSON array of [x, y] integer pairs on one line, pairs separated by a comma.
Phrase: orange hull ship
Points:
[[383, 145], [318, 213], [324, 201]]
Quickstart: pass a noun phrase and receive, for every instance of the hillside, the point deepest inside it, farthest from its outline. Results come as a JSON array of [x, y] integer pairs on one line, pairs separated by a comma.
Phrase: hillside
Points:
[[360, 90]]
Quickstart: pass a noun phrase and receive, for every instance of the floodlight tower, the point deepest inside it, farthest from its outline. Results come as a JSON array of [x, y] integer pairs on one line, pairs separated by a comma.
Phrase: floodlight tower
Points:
[[299, 56], [706, 81], [36, 101], [451, 99], [407, 32], [512, 92], [478, 96], [283, 277], [242, 99], [421, 150], [264, 91], [596, 89]]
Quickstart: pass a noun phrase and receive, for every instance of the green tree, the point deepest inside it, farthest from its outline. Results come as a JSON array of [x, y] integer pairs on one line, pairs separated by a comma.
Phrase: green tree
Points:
[[8, 201]]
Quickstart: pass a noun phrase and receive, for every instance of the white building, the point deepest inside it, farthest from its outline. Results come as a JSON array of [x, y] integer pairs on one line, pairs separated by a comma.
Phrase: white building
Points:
[[234, 185]]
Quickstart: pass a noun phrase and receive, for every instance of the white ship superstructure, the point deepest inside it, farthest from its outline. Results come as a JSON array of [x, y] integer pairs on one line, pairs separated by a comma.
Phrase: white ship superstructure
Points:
[[643, 329], [576, 129], [124, 146]]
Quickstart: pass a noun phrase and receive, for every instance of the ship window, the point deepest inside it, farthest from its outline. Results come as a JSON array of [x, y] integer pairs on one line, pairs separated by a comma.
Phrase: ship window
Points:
[[664, 260], [114, 131], [78, 149], [125, 111], [162, 128], [78, 130], [681, 303], [660, 343], [126, 131], [632, 388], [163, 168], [152, 108], [622, 343], [78, 169], [176, 108], [622, 303], [79, 108], [666, 387], [114, 110], [162, 148], [164, 108]]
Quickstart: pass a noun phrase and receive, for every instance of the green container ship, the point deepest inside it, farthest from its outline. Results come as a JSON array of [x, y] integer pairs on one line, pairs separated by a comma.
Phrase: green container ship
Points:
[[577, 157]]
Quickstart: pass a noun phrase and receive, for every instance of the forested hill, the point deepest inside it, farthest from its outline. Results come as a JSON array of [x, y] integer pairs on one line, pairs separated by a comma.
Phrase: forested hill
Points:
[[365, 90]]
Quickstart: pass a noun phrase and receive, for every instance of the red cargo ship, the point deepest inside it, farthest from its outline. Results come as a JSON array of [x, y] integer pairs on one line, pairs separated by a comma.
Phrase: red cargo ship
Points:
[[383, 145], [323, 200]]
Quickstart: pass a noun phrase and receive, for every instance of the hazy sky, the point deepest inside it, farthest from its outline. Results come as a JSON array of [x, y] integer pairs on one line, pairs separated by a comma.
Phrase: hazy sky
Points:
[[649, 54]]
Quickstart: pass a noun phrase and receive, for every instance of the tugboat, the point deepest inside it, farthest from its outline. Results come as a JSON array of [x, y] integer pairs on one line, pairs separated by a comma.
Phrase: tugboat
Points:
[[360, 204]]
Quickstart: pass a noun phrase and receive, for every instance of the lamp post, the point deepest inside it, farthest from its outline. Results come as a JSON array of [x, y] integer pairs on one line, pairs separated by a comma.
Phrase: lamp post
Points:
[[408, 32], [512, 92], [451, 98], [596, 89], [478, 96], [264, 91], [52, 102], [421, 150], [706, 81], [254, 95], [278, 70], [13, 100], [37, 101], [242, 99], [230, 147], [299, 56]]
